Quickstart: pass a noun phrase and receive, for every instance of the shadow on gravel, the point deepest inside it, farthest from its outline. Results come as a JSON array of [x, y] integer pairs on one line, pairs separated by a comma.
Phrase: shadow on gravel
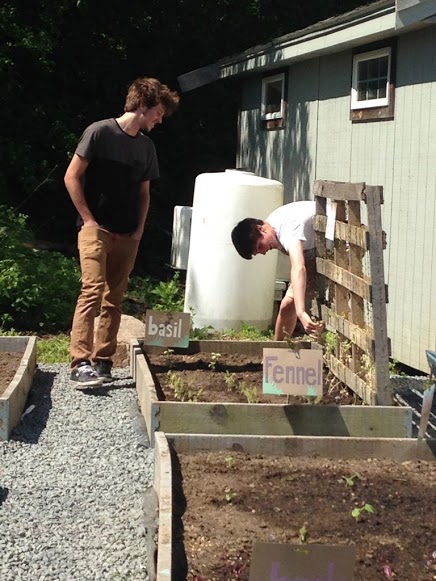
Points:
[[33, 423], [3, 494]]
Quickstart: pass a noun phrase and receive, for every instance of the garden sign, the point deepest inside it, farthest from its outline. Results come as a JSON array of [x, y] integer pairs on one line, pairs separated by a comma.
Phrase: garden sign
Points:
[[286, 371], [281, 562], [167, 328]]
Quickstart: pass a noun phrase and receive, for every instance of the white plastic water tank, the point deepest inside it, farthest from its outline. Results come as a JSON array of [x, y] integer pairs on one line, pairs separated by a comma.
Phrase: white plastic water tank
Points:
[[222, 289]]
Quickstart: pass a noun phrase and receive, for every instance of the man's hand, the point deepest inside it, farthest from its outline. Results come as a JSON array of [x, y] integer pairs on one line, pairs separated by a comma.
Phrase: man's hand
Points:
[[312, 328]]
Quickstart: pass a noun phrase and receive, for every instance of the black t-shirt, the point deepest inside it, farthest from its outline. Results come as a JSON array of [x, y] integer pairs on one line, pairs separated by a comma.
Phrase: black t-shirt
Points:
[[118, 164]]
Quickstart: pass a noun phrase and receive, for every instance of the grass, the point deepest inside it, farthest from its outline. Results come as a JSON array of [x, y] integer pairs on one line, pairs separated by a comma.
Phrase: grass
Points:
[[53, 350]]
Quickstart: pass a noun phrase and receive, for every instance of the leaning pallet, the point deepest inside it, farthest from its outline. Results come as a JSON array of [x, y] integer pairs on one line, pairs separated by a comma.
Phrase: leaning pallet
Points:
[[351, 292]]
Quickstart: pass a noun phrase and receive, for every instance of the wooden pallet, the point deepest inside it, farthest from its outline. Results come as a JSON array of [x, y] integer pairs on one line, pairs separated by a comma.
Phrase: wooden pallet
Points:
[[351, 292]]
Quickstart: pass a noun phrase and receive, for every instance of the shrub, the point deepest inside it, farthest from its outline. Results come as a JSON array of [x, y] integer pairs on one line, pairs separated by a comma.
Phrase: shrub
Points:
[[38, 289]]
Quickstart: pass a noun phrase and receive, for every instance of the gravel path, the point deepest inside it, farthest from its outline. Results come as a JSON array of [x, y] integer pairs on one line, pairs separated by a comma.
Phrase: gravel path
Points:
[[72, 484]]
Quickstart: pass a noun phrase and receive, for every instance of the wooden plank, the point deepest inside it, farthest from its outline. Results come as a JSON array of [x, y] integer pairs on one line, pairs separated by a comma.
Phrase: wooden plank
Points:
[[355, 383], [352, 332], [253, 348], [147, 397], [283, 420], [355, 234], [399, 449], [339, 190], [163, 485], [379, 316], [344, 278]]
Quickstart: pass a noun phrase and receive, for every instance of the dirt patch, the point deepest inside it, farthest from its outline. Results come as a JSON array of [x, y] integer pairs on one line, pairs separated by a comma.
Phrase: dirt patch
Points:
[[232, 378], [9, 363], [229, 500]]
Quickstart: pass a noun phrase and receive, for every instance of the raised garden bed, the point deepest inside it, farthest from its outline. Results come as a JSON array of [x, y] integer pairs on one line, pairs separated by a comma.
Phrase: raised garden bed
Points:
[[220, 494], [17, 366], [218, 409]]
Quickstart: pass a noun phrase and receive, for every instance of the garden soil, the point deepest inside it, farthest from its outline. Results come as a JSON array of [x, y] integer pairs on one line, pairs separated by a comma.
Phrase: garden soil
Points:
[[224, 501], [9, 363]]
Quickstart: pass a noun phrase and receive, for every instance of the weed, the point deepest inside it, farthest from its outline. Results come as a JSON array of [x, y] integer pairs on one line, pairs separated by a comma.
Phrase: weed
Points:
[[169, 295], [214, 358], [357, 512], [230, 380], [249, 392]]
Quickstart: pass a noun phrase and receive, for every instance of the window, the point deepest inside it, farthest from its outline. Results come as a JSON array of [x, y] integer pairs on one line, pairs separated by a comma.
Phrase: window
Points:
[[273, 101], [372, 90]]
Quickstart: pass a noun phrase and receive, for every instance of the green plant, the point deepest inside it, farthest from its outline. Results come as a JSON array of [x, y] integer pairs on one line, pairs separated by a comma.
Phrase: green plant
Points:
[[38, 289], [230, 380], [303, 533], [229, 461], [230, 496], [350, 480], [214, 358], [249, 392], [54, 349], [169, 356], [169, 295], [357, 511], [181, 391]]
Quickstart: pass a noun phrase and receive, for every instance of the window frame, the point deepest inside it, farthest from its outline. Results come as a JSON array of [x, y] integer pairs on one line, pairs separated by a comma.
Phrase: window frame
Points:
[[374, 109], [274, 120]]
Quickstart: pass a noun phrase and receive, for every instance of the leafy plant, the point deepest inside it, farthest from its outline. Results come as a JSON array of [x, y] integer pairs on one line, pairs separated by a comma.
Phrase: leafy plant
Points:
[[169, 356], [230, 380], [169, 295], [303, 533], [229, 461], [249, 392], [214, 358], [357, 511], [181, 391], [350, 480], [230, 496]]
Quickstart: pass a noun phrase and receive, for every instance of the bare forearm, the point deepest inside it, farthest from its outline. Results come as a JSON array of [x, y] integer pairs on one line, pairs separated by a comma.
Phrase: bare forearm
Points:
[[298, 280]]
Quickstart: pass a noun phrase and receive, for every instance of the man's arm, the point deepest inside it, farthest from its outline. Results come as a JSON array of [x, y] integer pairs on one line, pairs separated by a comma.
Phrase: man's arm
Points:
[[73, 184], [298, 281], [144, 204]]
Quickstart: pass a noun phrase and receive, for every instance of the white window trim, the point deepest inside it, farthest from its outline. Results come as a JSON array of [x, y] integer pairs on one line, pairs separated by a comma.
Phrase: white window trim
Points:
[[278, 114], [355, 103]]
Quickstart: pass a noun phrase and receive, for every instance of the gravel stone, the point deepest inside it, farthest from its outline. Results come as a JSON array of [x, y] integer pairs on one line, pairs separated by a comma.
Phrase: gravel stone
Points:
[[73, 479]]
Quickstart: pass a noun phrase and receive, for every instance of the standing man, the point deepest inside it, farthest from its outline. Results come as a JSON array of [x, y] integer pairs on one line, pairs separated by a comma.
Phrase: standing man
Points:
[[290, 230], [108, 180]]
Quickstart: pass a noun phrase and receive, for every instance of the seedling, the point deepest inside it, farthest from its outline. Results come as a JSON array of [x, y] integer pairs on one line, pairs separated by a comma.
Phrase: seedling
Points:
[[357, 512], [230, 380], [214, 358], [350, 480], [303, 533], [249, 392], [181, 391], [230, 496], [229, 461], [169, 356]]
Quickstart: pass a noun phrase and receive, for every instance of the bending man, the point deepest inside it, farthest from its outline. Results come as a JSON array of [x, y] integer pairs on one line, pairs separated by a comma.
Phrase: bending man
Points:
[[290, 230]]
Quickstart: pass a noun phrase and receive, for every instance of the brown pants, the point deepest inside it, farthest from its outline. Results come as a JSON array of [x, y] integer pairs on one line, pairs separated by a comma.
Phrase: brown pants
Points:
[[106, 261]]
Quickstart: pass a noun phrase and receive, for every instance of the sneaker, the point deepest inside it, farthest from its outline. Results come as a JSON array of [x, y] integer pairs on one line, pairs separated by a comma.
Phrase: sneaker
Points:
[[84, 376], [103, 369]]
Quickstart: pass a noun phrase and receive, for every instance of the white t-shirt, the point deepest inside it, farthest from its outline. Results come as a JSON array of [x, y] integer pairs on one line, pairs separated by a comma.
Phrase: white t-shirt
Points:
[[293, 222]]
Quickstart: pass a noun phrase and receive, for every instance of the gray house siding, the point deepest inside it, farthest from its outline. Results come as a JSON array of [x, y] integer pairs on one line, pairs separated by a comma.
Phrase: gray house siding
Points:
[[320, 142]]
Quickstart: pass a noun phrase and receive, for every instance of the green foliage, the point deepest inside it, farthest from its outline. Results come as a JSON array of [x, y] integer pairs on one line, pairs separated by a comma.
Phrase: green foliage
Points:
[[169, 295], [249, 333], [357, 512], [38, 290], [54, 349], [214, 359]]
